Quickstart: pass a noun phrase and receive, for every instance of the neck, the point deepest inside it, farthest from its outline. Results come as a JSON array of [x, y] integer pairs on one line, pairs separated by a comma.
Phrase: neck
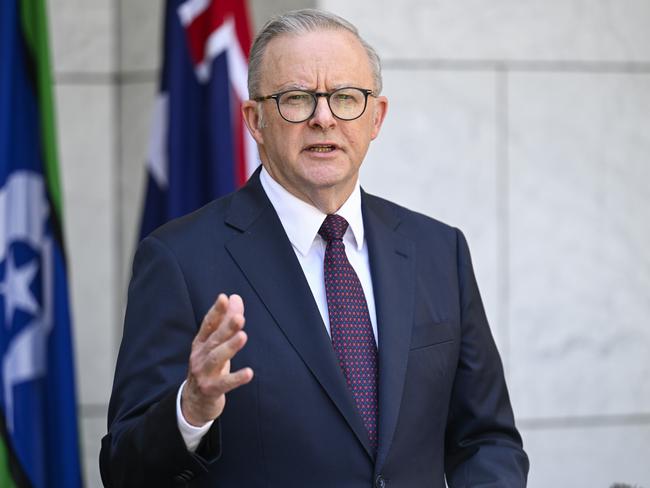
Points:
[[328, 201]]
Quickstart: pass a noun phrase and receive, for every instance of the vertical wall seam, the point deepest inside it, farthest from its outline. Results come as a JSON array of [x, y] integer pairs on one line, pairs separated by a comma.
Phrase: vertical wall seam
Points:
[[503, 222], [118, 219]]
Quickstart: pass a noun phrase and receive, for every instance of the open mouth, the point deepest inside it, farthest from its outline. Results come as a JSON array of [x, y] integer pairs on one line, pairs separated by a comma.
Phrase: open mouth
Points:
[[321, 148]]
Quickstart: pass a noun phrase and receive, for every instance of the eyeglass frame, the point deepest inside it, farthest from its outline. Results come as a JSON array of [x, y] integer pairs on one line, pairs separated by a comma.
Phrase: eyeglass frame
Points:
[[315, 96]]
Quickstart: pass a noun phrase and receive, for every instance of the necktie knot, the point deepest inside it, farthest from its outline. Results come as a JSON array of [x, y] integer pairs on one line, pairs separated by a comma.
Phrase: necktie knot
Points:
[[333, 227]]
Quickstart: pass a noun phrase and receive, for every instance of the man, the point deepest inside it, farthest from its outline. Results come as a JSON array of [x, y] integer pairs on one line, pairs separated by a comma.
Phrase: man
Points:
[[366, 359]]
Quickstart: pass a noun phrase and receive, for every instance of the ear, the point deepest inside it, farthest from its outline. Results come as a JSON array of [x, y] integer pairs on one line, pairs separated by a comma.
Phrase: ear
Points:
[[251, 115], [378, 114]]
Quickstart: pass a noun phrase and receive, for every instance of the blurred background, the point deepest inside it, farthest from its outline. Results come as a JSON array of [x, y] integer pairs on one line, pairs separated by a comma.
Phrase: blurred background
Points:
[[526, 123]]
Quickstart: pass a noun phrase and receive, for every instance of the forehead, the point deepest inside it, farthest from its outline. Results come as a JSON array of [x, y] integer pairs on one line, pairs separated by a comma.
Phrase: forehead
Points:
[[316, 60]]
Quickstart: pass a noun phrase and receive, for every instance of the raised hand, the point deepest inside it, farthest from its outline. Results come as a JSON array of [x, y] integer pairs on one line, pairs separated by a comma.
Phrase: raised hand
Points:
[[209, 378]]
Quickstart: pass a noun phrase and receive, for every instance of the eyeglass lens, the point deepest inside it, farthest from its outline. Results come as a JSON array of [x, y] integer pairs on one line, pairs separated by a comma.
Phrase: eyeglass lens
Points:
[[346, 104]]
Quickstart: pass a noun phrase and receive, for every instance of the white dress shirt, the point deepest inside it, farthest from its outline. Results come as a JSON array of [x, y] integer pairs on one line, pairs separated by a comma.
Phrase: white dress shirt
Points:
[[301, 222]]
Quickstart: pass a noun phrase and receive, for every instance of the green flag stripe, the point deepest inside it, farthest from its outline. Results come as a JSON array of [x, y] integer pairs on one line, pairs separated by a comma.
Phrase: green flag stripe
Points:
[[5, 477], [12, 474], [35, 31]]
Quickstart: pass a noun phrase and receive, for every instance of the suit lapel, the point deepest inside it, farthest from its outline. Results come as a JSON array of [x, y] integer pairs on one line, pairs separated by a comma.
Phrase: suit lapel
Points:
[[392, 266], [265, 256]]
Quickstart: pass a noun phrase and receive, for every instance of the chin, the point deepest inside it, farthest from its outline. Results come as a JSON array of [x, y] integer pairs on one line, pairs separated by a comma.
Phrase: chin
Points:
[[327, 177], [332, 170]]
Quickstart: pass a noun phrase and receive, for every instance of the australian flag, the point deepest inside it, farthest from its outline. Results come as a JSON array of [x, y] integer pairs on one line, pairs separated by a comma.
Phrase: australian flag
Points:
[[38, 423], [199, 147]]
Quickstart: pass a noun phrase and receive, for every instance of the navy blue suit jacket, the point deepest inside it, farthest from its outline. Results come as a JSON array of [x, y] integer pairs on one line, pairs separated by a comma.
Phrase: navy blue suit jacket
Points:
[[443, 403]]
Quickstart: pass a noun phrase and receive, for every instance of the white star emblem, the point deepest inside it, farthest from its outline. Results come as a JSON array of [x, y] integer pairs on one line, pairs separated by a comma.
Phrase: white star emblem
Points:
[[15, 288], [23, 215]]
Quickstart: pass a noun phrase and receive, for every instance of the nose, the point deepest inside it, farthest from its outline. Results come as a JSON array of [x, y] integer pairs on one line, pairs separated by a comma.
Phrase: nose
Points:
[[323, 117]]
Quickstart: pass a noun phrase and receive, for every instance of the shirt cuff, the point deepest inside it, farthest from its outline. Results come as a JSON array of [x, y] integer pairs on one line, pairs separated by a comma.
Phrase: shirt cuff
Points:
[[191, 435]]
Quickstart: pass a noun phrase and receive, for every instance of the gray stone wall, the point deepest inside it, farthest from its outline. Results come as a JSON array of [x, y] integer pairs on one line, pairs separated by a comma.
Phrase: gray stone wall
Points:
[[85, 60], [524, 123]]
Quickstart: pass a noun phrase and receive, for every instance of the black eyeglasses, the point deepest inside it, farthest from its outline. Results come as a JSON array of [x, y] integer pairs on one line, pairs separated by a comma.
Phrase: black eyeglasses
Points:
[[296, 106]]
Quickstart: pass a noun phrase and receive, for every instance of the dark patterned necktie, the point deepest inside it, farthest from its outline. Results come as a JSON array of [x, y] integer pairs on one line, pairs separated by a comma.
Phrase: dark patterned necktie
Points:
[[350, 327]]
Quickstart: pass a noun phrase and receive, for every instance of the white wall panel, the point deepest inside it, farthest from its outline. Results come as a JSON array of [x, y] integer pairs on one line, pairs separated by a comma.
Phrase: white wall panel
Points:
[[136, 101], [587, 30], [580, 282], [140, 34], [82, 35], [585, 457], [85, 123], [262, 10], [92, 431]]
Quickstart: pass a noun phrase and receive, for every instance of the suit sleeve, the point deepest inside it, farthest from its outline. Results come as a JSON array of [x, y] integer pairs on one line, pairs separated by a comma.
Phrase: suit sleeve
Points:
[[483, 447], [143, 446]]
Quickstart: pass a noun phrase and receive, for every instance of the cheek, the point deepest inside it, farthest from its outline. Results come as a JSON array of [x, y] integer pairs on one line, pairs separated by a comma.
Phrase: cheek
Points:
[[279, 141], [360, 138], [286, 140]]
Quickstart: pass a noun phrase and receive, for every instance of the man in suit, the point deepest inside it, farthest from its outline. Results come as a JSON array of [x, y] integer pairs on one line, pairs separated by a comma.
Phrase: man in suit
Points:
[[366, 357]]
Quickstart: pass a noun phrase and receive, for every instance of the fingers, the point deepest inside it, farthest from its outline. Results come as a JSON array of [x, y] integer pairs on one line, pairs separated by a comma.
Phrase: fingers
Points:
[[213, 317], [219, 338], [218, 356], [234, 380], [213, 376], [231, 323], [236, 304], [226, 317]]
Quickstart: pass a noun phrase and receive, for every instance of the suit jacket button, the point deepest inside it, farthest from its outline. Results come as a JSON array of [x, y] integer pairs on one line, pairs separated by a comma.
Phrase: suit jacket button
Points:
[[380, 482]]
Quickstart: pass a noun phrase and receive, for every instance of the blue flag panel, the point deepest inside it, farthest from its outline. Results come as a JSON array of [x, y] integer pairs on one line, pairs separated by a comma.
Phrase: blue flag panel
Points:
[[37, 393], [194, 156]]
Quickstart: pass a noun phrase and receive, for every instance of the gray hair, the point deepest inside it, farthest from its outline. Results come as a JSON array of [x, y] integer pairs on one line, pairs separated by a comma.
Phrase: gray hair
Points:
[[302, 22]]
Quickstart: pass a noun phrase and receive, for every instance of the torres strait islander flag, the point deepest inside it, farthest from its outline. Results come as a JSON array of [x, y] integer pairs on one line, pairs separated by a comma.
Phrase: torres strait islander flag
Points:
[[199, 147], [39, 445]]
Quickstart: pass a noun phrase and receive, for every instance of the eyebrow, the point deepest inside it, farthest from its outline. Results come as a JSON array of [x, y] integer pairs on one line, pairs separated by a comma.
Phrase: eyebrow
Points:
[[292, 86], [296, 86]]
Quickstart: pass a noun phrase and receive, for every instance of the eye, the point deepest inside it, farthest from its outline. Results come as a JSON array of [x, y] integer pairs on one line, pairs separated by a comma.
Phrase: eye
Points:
[[347, 96], [296, 97]]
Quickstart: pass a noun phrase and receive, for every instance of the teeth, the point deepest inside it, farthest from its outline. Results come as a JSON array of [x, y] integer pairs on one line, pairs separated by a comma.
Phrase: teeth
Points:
[[321, 148]]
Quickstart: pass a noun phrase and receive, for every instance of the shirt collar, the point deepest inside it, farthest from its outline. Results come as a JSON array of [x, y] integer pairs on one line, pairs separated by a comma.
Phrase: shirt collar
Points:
[[302, 220]]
